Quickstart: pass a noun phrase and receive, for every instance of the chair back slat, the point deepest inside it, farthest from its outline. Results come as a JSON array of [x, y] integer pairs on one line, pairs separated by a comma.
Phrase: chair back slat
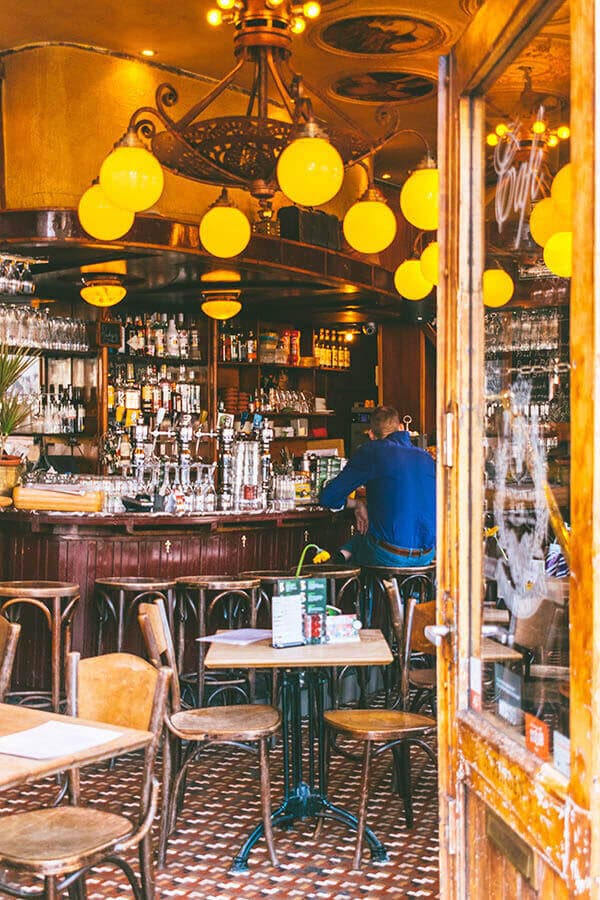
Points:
[[423, 614], [9, 636], [154, 625]]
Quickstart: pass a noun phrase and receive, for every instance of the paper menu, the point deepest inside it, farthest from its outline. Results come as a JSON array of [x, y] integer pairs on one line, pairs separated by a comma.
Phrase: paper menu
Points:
[[54, 739], [287, 613], [240, 636]]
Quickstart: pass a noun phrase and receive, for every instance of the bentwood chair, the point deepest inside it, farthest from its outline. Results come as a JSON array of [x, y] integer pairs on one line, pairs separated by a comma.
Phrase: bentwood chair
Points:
[[394, 730], [246, 725], [417, 675], [62, 843], [9, 636]]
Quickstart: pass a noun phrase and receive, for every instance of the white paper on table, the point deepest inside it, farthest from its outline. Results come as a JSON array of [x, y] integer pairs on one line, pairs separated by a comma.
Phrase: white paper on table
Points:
[[55, 739], [240, 636]]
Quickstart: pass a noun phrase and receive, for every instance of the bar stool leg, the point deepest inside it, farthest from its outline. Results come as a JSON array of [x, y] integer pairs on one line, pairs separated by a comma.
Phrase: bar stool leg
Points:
[[56, 654], [265, 798], [402, 759], [201, 647], [364, 799], [120, 621]]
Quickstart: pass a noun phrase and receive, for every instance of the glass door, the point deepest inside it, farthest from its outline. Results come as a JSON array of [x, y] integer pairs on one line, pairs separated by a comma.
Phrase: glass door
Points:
[[516, 313]]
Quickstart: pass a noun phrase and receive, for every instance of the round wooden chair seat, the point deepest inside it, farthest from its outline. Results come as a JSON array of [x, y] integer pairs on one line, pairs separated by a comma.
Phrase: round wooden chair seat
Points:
[[196, 581], [330, 571], [424, 679], [400, 571], [39, 590], [50, 841], [135, 584], [249, 722], [218, 583], [376, 724]]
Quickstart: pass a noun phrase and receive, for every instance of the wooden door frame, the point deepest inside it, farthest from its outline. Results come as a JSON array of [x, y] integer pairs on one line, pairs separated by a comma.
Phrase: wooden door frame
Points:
[[552, 815]]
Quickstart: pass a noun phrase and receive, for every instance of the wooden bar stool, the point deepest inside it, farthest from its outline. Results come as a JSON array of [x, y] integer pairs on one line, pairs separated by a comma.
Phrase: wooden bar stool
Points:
[[214, 602], [57, 601], [396, 731], [117, 599]]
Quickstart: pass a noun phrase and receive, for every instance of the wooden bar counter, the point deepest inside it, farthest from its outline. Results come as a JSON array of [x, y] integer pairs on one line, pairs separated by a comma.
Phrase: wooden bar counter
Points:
[[81, 547]]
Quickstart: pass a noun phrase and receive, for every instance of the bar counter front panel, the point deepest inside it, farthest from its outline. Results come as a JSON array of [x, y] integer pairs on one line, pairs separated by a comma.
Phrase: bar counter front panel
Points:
[[80, 547]]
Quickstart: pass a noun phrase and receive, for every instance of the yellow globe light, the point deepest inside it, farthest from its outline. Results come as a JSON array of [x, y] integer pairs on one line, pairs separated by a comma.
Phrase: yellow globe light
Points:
[[312, 9], [552, 140], [558, 254], [224, 230], [545, 220], [498, 287], [564, 132], [220, 275], [297, 25], [538, 127], [132, 178], [562, 191], [226, 4], [103, 293], [310, 171], [501, 129], [430, 261], [370, 225], [410, 281], [101, 218], [492, 140], [214, 17], [221, 307], [419, 199]]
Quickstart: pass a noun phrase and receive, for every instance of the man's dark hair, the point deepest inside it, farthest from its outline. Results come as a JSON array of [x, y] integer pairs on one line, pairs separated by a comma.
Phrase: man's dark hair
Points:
[[384, 420]]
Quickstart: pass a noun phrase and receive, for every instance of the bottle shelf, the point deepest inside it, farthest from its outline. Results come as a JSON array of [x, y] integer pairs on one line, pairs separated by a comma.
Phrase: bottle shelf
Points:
[[157, 360], [55, 354], [274, 365]]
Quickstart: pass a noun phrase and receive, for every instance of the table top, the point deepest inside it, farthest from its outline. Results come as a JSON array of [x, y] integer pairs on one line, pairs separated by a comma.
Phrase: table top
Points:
[[371, 650], [492, 651], [16, 770], [493, 616]]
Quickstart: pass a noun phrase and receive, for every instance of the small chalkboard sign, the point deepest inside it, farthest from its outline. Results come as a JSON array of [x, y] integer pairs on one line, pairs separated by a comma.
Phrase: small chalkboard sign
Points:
[[109, 334]]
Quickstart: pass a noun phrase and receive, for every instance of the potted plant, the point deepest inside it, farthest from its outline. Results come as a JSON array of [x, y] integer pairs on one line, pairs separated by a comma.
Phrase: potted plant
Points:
[[14, 412]]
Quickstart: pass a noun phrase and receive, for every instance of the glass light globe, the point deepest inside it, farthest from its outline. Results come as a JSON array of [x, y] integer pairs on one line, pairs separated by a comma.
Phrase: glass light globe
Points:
[[562, 191], [221, 308], [544, 221], [214, 17], [564, 132], [132, 178], [538, 127], [225, 231], [370, 226], [430, 261], [312, 9], [419, 199], [102, 219], [498, 287], [103, 295], [298, 25], [492, 140], [558, 254], [501, 129], [410, 282], [310, 171]]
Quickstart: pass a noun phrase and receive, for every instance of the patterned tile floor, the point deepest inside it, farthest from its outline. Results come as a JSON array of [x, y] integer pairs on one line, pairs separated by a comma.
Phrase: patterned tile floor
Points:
[[221, 807]]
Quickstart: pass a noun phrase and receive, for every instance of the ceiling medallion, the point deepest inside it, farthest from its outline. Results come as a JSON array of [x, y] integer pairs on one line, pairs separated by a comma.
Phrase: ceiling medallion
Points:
[[382, 34], [384, 87], [242, 150], [470, 7]]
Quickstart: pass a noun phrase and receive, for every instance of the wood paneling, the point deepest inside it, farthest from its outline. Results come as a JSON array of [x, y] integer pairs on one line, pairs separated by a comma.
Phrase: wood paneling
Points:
[[407, 374]]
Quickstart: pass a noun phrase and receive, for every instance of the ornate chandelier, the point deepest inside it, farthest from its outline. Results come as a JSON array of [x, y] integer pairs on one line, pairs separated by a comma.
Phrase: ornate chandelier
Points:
[[298, 153]]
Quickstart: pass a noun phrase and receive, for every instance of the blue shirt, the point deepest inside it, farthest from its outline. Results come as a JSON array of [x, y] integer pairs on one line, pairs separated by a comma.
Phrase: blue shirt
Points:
[[400, 482]]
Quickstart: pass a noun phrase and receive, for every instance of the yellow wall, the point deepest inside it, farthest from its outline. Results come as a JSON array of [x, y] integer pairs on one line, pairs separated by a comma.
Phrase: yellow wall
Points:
[[65, 107]]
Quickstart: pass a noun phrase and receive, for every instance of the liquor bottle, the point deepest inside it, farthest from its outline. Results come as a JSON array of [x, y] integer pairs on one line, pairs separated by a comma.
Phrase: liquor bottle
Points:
[[130, 337], [159, 335], [194, 340], [172, 339], [140, 331], [147, 391], [133, 397], [150, 342], [334, 351], [326, 349], [251, 345], [165, 389], [80, 412], [184, 341]]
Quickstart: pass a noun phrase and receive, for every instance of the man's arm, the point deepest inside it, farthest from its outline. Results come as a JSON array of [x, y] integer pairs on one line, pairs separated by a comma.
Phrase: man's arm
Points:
[[356, 473]]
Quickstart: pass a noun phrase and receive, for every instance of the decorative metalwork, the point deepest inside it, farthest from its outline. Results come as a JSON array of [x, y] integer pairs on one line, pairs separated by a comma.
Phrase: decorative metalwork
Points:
[[242, 150]]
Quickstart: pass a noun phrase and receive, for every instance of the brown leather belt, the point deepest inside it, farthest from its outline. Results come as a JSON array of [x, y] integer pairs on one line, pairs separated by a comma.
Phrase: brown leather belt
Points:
[[400, 551]]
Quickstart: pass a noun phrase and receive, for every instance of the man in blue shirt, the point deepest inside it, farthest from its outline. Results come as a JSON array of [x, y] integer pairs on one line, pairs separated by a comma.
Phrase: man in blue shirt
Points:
[[400, 483]]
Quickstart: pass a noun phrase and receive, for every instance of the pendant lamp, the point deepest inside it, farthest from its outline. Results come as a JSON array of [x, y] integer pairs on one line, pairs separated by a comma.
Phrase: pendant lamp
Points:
[[370, 225], [101, 218], [131, 177], [224, 229]]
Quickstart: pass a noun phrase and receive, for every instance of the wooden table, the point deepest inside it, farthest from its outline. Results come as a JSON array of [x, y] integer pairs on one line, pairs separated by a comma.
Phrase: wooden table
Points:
[[15, 770], [305, 794], [494, 616], [492, 651]]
